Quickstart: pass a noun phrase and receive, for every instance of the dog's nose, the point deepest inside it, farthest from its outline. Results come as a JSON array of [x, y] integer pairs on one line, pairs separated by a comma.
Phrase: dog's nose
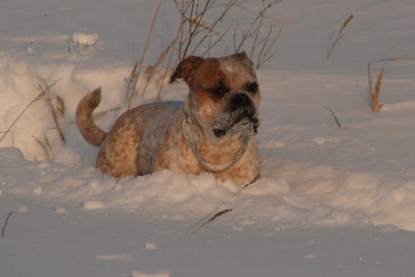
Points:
[[241, 99]]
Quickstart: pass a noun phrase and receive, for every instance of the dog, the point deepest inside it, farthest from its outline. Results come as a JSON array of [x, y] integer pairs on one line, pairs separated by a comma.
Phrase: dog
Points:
[[211, 131]]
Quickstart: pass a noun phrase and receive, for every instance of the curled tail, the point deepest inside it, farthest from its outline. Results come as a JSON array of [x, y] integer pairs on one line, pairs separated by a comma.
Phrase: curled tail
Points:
[[84, 120]]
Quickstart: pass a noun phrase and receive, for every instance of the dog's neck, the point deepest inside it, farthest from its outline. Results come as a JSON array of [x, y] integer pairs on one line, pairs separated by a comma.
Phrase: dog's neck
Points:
[[213, 154]]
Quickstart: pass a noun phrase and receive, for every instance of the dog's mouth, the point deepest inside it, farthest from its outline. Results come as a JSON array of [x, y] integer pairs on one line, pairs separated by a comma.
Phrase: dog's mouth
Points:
[[241, 120]]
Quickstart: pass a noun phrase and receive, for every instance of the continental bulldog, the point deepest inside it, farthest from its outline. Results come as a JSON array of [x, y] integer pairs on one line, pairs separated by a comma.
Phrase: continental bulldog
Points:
[[211, 131]]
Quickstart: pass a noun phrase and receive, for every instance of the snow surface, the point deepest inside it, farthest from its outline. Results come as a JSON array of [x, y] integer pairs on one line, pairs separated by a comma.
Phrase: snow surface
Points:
[[331, 202]]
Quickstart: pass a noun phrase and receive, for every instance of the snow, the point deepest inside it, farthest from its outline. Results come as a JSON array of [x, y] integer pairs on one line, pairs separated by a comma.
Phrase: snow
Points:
[[332, 201]]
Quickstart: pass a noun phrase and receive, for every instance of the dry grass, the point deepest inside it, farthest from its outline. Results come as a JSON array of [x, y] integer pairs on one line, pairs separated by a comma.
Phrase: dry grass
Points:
[[198, 31], [375, 92], [374, 95], [37, 98], [339, 35], [131, 89], [157, 67], [260, 51], [219, 211], [46, 146], [166, 71], [57, 107]]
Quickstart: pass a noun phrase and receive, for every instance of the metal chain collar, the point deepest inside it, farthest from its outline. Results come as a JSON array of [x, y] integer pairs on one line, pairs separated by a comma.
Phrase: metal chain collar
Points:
[[207, 166]]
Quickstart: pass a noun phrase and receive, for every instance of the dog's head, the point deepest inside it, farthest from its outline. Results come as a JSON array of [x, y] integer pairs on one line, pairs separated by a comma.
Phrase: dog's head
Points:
[[224, 93]]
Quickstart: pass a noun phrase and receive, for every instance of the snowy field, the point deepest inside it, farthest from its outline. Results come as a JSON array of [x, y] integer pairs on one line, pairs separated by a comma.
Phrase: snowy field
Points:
[[332, 201]]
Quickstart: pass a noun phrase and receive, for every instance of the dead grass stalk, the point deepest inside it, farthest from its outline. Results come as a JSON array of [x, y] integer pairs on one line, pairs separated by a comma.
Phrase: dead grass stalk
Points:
[[37, 98], [375, 92], [339, 35], [137, 71]]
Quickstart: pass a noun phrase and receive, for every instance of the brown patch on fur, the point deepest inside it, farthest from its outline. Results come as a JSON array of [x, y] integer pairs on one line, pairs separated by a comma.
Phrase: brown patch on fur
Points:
[[186, 68]]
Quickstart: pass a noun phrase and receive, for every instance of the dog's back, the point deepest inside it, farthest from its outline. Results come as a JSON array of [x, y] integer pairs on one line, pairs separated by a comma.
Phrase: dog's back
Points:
[[130, 147]]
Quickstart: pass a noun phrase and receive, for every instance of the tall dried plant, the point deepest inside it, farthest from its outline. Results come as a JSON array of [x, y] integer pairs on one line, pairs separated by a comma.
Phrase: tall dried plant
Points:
[[135, 74], [197, 31], [375, 92], [339, 35], [43, 93], [260, 48], [374, 95], [46, 146], [57, 107]]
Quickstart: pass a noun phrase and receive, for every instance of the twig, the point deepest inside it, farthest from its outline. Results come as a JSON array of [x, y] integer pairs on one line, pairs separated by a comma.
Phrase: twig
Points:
[[339, 35], [57, 106], [212, 44], [254, 31], [133, 92], [46, 146], [38, 97], [212, 26], [196, 32], [168, 63], [217, 212], [264, 55], [131, 81], [335, 117], [170, 48], [11, 136], [69, 46], [5, 223], [212, 219], [261, 20]]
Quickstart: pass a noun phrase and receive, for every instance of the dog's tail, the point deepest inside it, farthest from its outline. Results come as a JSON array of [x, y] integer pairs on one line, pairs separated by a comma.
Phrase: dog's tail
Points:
[[84, 120]]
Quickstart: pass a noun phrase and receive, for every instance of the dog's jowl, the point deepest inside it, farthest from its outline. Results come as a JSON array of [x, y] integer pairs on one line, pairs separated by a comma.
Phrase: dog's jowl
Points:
[[211, 131]]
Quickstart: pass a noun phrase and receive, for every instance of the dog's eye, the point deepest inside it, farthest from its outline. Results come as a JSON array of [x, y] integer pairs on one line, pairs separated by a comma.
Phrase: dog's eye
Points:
[[252, 87], [219, 89]]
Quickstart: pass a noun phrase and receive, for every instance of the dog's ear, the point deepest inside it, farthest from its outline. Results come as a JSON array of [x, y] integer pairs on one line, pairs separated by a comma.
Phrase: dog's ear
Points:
[[185, 68], [243, 57]]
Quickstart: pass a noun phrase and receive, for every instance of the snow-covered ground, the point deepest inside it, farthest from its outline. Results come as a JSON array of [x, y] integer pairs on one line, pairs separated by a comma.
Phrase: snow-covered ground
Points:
[[332, 201]]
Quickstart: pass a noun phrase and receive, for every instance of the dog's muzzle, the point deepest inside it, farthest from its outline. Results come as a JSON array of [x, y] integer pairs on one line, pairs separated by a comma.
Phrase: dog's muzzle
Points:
[[242, 102], [241, 115]]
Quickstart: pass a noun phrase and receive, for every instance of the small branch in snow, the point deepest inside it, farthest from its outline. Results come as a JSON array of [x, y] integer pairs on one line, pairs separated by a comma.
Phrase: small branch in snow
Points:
[[11, 134], [5, 223], [335, 117], [69, 46], [38, 97], [57, 107], [218, 214], [46, 146]]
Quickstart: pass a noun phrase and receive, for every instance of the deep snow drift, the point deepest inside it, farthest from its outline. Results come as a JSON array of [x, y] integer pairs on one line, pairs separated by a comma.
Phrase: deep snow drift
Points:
[[315, 174]]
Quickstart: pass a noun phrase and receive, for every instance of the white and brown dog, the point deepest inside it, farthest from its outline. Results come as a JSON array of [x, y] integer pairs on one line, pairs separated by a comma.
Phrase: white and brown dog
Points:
[[212, 131]]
